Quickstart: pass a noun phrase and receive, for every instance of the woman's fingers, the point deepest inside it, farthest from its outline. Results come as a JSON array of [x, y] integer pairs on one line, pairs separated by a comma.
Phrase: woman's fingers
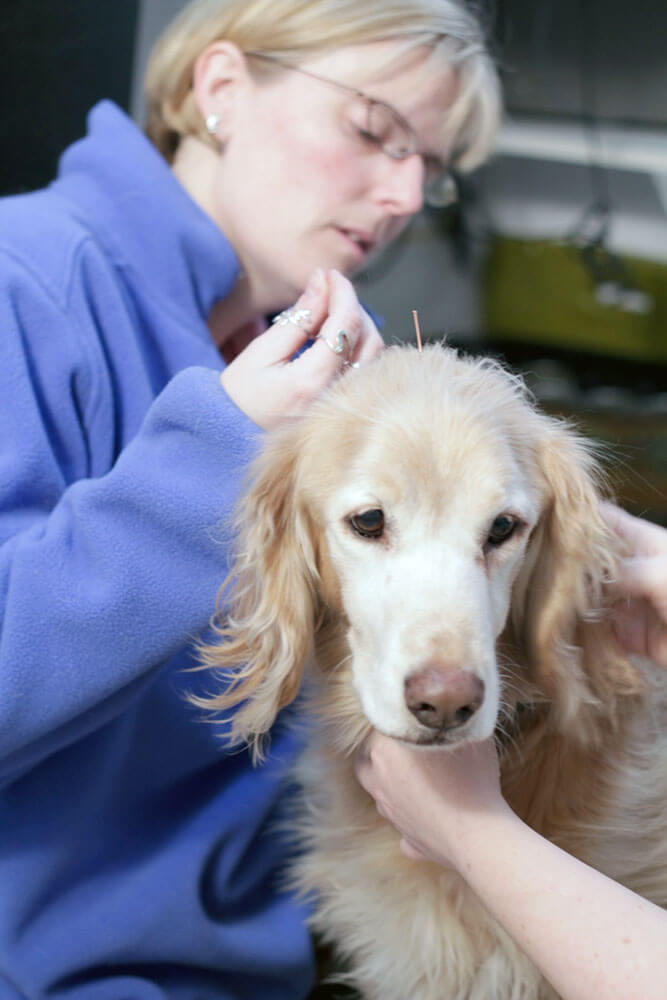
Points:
[[370, 344], [270, 384], [347, 335], [365, 341], [412, 852], [640, 613], [642, 537], [294, 326], [643, 570]]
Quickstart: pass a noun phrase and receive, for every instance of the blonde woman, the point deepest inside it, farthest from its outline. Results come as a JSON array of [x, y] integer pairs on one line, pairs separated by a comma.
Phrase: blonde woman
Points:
[[156, 304]]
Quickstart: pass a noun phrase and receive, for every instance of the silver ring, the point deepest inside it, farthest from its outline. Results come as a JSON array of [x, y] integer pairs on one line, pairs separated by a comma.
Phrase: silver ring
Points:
[[342, 344], [298, 317]]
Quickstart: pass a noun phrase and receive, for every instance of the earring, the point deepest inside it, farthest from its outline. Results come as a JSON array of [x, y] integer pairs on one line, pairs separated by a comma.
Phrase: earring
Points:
[[212, 122]]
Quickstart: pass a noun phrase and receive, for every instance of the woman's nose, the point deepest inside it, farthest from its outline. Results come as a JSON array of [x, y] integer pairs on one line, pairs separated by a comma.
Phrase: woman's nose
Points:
[[401, 185]]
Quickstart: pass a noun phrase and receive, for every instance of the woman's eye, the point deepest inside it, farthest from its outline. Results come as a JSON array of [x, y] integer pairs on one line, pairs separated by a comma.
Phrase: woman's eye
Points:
[[369, 523], [369, 125], [502, 529], [367, 136]]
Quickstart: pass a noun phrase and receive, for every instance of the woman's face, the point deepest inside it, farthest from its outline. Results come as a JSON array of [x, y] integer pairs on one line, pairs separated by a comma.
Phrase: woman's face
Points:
[[297, 185]]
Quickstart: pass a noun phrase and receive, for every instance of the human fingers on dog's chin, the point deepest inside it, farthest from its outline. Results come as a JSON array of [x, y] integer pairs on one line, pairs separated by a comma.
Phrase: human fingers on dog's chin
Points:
[[363, 761], [369, 741], [412, 852]]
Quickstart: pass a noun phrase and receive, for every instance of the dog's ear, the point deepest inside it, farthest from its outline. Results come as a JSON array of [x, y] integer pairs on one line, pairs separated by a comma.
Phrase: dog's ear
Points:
[[267, 607], [559, 614]]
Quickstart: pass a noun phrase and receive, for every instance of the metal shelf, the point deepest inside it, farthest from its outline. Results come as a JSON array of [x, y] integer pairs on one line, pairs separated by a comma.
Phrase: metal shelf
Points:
[[609, 145]]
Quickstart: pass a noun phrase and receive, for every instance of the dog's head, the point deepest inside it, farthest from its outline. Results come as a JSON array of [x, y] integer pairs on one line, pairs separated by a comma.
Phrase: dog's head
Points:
[[431, 520]]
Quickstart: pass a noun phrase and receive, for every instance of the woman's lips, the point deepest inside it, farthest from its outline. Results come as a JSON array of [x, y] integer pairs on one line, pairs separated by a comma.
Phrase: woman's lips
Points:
[[359, 241]]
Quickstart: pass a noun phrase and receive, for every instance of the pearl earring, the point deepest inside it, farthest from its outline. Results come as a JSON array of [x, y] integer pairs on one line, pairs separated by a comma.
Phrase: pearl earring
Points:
[[212, 122]]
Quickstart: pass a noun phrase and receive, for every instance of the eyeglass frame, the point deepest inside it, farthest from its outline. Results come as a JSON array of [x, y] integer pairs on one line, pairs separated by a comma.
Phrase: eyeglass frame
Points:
[[445, 179]]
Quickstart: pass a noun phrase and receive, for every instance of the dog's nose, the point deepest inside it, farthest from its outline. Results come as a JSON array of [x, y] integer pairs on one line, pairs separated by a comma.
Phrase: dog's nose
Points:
[[442, 698]]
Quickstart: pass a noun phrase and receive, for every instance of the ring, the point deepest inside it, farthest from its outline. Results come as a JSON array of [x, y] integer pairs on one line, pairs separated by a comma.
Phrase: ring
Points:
[[342, 339], [298, 317]]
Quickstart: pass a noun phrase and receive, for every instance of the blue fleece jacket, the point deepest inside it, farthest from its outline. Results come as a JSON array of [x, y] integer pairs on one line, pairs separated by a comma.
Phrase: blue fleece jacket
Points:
[[137, 858]]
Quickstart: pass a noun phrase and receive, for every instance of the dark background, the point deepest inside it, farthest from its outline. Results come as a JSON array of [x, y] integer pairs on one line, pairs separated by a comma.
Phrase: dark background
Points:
[[57, 59]]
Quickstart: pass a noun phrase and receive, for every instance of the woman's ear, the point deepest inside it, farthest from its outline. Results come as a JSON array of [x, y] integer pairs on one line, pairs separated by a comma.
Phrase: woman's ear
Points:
[[219, 73]]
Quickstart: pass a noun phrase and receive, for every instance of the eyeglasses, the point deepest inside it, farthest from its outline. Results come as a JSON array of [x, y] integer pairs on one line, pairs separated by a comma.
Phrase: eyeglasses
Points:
[[385, 128]]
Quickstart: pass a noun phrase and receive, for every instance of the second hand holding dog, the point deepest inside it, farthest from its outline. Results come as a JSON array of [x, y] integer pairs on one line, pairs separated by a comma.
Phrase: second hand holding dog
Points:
[[458, 786], [591, 937], [269, 384]]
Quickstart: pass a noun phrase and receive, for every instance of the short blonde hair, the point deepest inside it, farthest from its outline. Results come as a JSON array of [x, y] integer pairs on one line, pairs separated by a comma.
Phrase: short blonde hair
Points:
[[292, 30]]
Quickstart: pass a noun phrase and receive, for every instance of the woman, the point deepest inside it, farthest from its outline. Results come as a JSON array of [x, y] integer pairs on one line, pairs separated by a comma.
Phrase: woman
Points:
[[591, 938], [289, 142]]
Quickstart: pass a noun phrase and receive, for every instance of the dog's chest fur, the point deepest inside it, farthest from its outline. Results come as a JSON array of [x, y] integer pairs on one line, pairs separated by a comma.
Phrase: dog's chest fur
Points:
[[407, 929]]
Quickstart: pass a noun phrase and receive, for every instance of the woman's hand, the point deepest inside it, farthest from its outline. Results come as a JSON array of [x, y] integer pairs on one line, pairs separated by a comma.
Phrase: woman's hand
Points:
[[268, 385], [640, 614], [432, 797]]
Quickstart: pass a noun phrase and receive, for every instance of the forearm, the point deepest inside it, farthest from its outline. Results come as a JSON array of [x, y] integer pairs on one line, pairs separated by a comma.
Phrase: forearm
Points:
[[123, 571], [590, 937]]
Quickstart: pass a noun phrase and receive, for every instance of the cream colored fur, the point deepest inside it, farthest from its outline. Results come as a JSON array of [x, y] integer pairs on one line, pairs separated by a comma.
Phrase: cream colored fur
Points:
[[443, 445]]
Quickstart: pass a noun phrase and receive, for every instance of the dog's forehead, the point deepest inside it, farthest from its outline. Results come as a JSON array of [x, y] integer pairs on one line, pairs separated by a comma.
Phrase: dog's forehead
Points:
[[454, 469], [428, 426]]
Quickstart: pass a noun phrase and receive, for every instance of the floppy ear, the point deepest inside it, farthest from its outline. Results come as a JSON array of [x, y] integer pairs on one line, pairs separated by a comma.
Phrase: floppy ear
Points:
[[267, 606], [559, 606]]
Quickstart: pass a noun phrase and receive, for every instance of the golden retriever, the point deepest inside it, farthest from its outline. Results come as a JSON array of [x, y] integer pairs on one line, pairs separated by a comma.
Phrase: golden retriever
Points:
[[435, 543]]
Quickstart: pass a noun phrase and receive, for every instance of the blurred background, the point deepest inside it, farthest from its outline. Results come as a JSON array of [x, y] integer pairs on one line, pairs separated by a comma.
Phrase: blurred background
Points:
[[554, 259]]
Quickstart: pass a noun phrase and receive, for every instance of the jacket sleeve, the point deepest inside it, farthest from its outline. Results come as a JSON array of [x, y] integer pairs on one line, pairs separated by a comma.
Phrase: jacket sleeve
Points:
[[102, 579]]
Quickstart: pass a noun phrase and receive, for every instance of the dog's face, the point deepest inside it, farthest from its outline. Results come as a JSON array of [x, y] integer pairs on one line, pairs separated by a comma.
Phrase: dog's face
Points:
[[422, 507], [425, 537]]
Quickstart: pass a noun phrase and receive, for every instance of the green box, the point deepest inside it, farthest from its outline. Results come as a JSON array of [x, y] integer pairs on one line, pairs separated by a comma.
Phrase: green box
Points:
[[547, 293]]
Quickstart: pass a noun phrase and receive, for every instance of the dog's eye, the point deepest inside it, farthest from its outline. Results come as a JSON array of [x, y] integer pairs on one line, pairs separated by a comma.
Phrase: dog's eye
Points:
[[502, 529], [369, 523]]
